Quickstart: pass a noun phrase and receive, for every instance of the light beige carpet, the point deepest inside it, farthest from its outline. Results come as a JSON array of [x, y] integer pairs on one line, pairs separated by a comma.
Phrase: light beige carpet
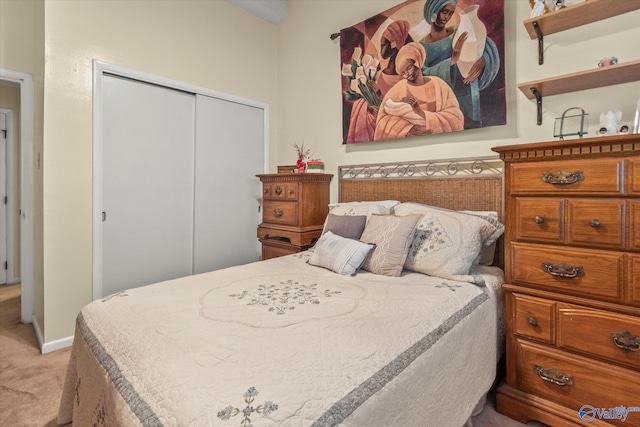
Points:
[[31, 383]]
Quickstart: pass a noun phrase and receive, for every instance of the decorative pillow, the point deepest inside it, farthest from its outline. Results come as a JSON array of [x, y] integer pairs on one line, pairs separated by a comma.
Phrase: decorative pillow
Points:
[[392, 236], [487, 254], [448, 243], [388, 204], [347, 226], [343, 256]]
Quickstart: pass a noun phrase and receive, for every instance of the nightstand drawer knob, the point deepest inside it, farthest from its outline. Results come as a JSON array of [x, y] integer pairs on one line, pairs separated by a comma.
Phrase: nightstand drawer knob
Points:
[[563, 270], [562, 177], [553, 376], [595, 223], [533, 321], [626, 340], [278, 190], [539, 219], [278, 212]]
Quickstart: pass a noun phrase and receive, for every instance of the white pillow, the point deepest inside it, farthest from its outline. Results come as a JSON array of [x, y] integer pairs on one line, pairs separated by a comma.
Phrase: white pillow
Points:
[[343, 256], [448, 243], [363, 208], [488, 253], [388, 204]]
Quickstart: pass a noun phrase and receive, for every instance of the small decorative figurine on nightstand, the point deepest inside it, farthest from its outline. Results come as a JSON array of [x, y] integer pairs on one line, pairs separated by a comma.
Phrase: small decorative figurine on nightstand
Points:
[[609, 120], [301, 166], [624, 130]]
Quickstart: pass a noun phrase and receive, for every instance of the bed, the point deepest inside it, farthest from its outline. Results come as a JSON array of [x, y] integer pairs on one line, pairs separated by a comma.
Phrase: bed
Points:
[[349, 333]]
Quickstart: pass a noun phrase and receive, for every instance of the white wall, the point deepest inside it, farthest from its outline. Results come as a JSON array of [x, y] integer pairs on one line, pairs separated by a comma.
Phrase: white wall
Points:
[[211, 44], [309, 84]]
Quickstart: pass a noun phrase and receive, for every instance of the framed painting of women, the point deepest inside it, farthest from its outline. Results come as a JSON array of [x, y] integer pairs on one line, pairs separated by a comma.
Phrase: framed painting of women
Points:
[[463, 44]]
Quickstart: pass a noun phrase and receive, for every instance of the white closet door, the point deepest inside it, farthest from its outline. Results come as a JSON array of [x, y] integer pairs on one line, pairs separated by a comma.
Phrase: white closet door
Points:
[[229, 154], [148, 172]]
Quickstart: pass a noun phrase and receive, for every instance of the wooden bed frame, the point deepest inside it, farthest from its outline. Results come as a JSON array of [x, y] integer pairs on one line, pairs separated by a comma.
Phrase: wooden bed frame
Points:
[[458, 184]]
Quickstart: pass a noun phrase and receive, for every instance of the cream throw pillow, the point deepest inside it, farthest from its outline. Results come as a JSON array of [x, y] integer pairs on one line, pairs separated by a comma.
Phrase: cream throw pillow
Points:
[[392, 236]]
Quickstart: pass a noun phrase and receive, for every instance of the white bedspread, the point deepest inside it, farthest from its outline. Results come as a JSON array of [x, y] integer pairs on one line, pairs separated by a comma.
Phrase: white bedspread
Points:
[[283, 343]]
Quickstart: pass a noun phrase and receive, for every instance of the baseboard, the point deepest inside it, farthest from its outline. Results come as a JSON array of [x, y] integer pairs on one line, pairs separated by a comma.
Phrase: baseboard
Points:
[[48, 347]]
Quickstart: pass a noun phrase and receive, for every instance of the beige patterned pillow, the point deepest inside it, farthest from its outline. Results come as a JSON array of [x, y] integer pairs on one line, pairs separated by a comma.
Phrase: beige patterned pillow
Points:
[[448, 243], [392, 236], [338, 254]]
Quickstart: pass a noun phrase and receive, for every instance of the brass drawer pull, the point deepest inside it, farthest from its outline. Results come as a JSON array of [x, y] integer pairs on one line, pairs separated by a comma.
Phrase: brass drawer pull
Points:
[[532, 321], [553, 376], [563, 270], [538, 219], [626, 340], [562, 177], [278, 190], [595, 223], [278, 212]]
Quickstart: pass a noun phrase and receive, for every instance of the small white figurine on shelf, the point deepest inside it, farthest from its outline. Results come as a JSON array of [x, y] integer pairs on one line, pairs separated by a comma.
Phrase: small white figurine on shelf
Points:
[[538, 8], [609, 121]]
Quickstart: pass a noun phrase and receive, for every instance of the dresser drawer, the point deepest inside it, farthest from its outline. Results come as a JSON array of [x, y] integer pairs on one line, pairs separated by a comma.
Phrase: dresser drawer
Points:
[[596, 222], [280, 191], [567, 177], [612, 336], [534, 317], [634, 230], [569, 270], [575, 381], [539, 219], [280, 213]]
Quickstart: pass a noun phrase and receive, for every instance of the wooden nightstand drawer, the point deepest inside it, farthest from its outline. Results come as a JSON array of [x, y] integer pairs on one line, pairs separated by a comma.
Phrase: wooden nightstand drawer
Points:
[[575, 381], [567, 177], [569, 270], [281, 191], [277, 247], [280, 213], [611, 336], [534, 317], [539, 219], [596, 222]]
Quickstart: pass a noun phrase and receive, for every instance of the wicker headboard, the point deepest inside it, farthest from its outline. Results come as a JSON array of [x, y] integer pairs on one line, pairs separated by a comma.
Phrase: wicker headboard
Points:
[[459, 184]]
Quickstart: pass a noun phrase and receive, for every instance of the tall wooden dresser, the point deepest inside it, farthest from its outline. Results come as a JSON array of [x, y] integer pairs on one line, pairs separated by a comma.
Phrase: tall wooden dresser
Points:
[[572, 281], [294, 210]]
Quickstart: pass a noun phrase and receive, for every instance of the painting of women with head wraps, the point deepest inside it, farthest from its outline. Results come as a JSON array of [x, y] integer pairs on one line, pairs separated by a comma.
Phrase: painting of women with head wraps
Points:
[[423, 67]]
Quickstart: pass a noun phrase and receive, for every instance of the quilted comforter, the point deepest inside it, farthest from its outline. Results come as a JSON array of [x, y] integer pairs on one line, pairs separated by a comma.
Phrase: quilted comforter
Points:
[[283, 343]]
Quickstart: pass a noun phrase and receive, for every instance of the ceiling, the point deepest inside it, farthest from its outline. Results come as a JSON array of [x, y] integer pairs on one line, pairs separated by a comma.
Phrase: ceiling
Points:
[[273, 11]]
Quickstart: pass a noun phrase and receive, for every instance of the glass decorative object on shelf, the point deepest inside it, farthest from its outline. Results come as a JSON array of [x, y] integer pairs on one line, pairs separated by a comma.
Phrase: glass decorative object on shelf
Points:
[[573, 125]]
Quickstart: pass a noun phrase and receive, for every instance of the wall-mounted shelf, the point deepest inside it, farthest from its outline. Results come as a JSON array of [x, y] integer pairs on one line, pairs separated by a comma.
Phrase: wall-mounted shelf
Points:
[[583, 80], [575, 16]]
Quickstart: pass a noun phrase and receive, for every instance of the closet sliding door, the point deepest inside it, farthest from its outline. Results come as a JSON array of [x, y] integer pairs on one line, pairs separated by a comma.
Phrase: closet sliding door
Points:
[[148, 173], [178, 192], [229, 155]]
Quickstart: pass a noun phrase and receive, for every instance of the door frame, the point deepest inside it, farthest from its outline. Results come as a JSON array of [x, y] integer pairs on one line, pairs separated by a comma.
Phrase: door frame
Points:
[[27, 210], [6, 240], [101, 68]]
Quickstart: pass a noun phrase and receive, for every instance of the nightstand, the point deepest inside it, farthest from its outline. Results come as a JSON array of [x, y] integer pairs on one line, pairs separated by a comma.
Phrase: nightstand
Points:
[[295, 207]]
